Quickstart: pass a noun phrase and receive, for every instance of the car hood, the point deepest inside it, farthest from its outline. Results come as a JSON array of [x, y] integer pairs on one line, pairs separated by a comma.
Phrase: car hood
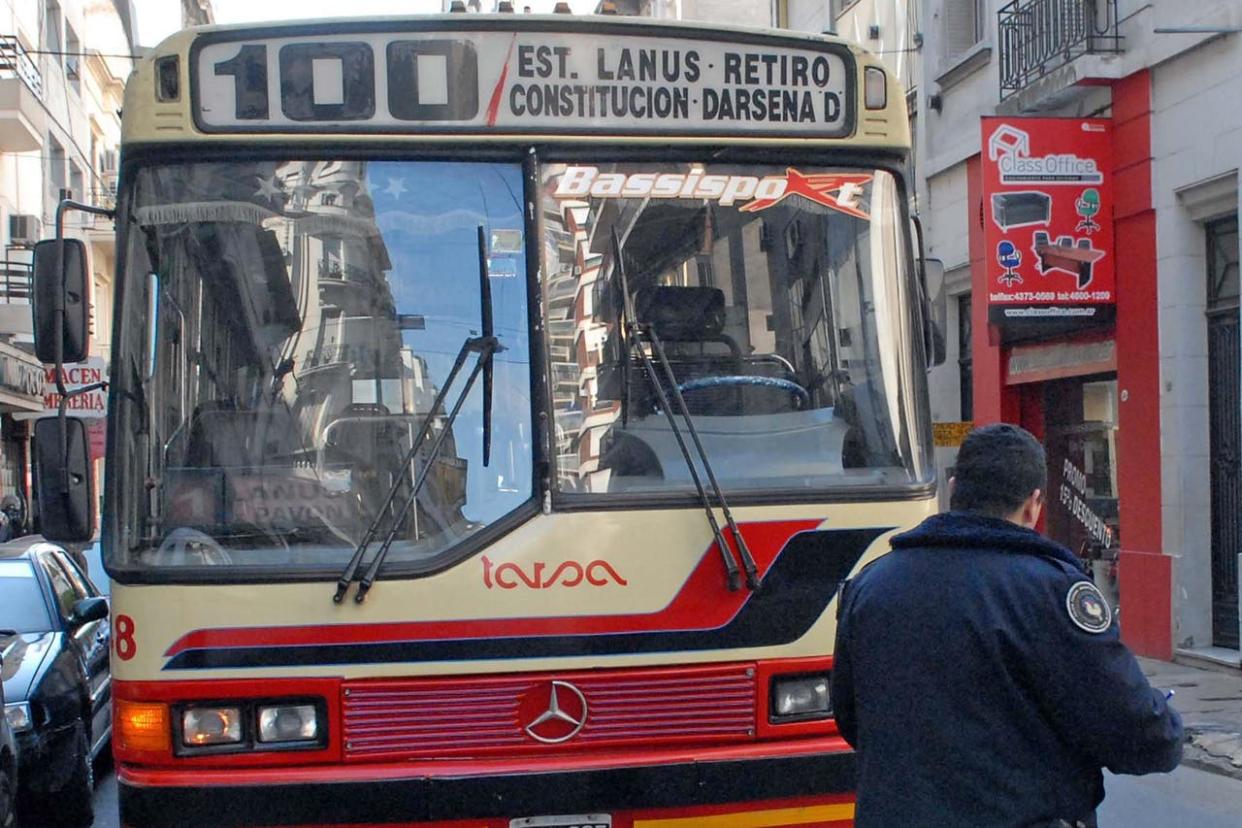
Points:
[[24, 654]]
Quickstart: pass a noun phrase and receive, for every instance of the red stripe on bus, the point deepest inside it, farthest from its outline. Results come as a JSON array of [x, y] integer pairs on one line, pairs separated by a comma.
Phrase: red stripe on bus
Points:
[[703, 603], [493, 106]]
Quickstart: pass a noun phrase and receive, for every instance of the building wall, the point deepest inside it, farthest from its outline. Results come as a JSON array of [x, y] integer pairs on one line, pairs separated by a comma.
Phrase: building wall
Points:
[[897, 24], [1195, 139], [1191, 156]]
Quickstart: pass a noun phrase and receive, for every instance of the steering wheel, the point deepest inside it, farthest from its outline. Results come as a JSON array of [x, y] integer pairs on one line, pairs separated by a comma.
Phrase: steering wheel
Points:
[[733, 380]]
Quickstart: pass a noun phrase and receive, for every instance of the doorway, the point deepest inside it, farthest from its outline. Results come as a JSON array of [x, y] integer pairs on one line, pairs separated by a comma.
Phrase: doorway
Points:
[[1224, 426]]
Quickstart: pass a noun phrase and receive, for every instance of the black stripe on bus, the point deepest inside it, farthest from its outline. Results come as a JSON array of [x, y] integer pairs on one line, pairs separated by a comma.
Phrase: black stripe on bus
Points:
[[427, 799], [795, 594]]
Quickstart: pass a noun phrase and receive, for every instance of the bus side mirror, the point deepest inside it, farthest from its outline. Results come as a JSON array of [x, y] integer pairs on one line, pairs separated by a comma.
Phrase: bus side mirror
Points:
[[65, 483], [61, 308], [935, 310]]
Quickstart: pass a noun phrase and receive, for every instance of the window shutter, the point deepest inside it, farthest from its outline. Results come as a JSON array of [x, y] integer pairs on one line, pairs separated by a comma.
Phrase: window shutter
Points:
[[959, 27]]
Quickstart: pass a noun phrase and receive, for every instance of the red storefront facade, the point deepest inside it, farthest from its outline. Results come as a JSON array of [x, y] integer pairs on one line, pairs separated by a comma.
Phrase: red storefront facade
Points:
[[1097, 389]]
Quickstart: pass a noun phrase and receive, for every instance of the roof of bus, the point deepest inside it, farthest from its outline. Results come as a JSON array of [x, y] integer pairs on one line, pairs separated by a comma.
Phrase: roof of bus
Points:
[[515, 21]]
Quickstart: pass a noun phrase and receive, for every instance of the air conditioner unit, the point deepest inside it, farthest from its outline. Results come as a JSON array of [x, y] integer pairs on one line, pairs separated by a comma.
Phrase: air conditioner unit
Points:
[[24, 229]]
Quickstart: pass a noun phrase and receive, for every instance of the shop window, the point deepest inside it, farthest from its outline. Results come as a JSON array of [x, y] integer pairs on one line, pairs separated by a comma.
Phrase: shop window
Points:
[[965, 359], [1082, 500], [73, 59]]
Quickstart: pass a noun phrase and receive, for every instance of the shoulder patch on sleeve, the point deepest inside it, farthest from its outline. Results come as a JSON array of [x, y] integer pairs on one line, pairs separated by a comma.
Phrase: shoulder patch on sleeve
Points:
[[1088, 608]]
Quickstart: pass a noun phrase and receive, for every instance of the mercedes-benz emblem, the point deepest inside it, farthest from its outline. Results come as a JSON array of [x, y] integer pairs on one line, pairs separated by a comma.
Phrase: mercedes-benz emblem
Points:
[[562, 717]]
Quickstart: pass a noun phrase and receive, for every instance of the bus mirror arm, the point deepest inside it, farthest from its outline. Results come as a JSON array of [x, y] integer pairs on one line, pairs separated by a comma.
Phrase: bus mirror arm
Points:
[[932, 300], [635, 333]]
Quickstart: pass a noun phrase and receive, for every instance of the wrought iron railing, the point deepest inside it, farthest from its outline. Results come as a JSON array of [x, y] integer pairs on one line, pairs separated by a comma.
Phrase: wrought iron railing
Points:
[[1038, 36], [15, 282], [15, 62]]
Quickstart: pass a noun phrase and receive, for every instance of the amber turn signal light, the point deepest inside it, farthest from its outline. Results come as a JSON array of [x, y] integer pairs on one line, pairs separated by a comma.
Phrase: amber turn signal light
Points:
[[142, 726]]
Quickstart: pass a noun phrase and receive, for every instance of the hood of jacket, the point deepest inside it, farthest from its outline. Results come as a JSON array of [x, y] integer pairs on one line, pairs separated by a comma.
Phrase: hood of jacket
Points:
[[968, 530]]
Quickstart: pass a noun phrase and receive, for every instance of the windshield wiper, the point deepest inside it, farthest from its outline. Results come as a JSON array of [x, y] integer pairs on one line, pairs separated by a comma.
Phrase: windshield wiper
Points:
[[635, 332], [486, 345]]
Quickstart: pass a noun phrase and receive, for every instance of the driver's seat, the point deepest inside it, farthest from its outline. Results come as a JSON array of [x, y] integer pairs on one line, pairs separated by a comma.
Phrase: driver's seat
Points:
[[691, 322], [683, 316]]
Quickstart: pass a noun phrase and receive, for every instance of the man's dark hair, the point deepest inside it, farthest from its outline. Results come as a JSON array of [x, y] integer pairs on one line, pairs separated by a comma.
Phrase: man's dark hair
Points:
[[998, 467]]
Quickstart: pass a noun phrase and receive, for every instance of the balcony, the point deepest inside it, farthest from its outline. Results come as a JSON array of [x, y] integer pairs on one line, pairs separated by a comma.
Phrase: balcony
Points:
[[15, 287], [1038, 37], [23, 121]]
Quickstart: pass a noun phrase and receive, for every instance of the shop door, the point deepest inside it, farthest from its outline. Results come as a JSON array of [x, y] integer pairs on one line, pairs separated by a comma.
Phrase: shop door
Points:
[[1224, 426], [1080, 421]]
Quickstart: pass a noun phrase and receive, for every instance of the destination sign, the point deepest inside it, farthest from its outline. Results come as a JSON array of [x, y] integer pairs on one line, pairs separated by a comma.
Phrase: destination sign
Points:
[[520, 82]]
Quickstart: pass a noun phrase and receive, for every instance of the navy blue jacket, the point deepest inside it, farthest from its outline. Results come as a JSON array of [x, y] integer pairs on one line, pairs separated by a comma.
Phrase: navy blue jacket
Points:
[[972, 697]]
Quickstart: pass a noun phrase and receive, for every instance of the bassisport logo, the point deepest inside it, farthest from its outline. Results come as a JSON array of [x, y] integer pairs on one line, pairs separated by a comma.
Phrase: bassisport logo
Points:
[[542, 575], [838, 191]]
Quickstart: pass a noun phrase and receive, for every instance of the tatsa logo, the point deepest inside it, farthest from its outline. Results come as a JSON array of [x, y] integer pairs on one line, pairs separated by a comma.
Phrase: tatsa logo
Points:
[[839, 191], [510, 575]]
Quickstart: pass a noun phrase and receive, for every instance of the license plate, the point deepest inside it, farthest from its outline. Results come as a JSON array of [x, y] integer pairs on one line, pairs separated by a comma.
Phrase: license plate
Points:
[[566, 821]]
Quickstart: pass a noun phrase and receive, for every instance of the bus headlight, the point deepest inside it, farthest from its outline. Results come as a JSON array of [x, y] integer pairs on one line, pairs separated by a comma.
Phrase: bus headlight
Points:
[[800, 697], [288, 723], [203, 726]]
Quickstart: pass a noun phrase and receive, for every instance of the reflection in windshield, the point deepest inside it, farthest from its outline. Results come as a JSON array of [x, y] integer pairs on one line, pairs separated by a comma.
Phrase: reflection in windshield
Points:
[[781, 299], [306, 314]]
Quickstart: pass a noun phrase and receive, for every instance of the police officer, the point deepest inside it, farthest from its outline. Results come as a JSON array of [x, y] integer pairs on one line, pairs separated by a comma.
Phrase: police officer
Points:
[[979, 672]]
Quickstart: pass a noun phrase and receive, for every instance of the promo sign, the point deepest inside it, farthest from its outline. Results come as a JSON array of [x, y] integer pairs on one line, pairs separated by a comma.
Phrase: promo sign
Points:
[[1048, 220], [519, 82]]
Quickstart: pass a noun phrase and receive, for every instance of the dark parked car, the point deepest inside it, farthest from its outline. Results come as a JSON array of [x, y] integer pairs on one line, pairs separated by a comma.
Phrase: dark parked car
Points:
[[57, 686], [8, 763]]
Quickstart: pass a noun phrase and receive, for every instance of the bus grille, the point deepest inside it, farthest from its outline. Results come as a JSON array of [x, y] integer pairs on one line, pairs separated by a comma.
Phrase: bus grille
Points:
[[387, 719]]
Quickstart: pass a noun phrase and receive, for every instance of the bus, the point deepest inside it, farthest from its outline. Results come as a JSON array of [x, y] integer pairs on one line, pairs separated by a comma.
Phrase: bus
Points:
[[498, 404]]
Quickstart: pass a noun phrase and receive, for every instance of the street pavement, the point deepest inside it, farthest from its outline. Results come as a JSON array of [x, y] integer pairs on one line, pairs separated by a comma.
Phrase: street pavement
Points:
[[1210, 701], [1205, 792], [1188, 797]]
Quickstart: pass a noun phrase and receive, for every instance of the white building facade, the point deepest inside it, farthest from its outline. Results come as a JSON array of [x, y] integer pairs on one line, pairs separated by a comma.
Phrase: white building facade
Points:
[[63, 65]]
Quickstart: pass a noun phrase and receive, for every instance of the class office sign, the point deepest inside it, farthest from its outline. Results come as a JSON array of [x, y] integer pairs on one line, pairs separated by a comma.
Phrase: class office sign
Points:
[[1048, 222]]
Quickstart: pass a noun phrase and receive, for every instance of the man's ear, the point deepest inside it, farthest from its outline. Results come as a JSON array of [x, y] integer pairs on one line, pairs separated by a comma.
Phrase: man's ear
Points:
[[1031, 509]]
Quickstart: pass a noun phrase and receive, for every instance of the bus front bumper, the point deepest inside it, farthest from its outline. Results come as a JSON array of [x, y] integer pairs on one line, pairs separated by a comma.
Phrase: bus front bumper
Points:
[[814, 789]]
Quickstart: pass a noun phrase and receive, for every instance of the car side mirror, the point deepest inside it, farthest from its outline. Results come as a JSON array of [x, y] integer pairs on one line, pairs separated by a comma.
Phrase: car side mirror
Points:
[[66, 485], [88, 610], [61, 306]]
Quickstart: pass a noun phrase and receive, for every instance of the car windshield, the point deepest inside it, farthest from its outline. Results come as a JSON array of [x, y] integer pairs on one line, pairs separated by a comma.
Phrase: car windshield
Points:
[[284, 329], [22, 607], [782, 298]]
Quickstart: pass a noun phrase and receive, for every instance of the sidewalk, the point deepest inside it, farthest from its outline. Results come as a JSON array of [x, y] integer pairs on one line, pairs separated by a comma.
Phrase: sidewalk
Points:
[[1210, 702]]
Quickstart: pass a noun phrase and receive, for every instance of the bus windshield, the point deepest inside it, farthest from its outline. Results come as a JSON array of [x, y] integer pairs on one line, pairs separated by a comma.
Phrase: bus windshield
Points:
[[284, 328], [782, 298]]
